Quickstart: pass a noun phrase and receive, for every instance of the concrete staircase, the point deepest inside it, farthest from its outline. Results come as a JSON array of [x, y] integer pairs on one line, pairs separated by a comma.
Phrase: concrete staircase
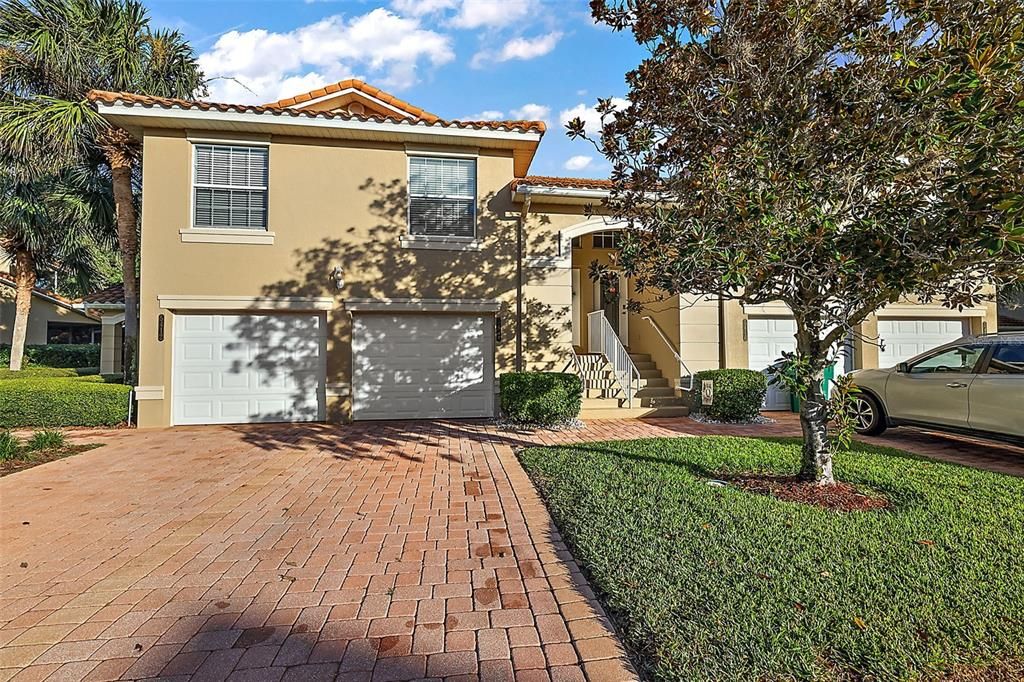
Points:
[[605, 399]]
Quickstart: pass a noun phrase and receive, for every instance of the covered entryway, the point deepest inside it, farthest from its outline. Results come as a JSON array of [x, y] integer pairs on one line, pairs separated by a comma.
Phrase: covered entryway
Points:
[[420, 366], [903, 338], [231, 369], [767, 339]]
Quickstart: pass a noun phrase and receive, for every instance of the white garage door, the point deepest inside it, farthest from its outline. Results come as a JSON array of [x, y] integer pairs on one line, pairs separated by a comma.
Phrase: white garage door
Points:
[[767, 338], [422, 366], [231, 369], [903, 339]]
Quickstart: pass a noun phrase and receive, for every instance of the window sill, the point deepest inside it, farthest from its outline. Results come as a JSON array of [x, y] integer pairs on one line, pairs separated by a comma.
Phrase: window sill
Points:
[[209, 235], [413, 241]]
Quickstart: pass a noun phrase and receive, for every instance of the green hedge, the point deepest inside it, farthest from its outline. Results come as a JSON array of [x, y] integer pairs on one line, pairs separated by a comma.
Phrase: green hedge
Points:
[[540, 397], [738, 393], [71, 401], [57, 355]]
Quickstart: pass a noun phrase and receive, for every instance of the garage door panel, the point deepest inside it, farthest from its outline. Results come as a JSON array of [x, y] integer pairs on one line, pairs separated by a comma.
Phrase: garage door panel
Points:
[[422, 366], [767, 339], [248, 368], [902, 339]]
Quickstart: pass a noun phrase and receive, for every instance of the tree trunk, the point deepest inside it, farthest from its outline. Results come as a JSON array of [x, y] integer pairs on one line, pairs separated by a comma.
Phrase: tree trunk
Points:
[[127, 238], [816, 460], [25, 282]]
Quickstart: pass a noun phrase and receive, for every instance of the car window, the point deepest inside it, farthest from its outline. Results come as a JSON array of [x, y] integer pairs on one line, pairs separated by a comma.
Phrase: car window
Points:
[[959, 359], [1007, 359]]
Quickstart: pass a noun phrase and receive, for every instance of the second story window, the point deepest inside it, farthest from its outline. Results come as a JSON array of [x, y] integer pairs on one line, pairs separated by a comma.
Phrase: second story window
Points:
[[608, 239], [442, 197], [230, 187]]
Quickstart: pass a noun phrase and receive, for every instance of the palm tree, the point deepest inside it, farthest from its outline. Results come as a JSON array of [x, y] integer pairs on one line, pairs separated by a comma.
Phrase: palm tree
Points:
[[52, 53], [48, 217]]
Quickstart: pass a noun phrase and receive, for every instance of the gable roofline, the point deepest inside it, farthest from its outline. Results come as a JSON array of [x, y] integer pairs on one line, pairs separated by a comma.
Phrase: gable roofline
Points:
[[354, 85], [47, 295], [127, 100]]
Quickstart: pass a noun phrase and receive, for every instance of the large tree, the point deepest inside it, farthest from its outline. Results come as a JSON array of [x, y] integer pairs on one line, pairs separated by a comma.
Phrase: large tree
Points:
[[835, 155], [52, 53], [50, 216]]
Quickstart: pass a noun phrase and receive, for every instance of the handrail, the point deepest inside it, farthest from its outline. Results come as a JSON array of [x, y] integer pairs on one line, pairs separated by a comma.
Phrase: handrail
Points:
[[682, 365], [603, 339], [574, 362]]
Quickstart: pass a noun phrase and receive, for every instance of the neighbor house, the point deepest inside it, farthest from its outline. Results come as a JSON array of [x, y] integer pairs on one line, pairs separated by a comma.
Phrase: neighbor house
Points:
[[52, 318], [343, 254]]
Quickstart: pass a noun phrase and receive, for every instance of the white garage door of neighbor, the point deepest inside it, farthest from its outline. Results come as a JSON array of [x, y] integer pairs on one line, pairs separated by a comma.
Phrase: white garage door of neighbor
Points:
[[418, 366], [231, 369], [767, 338], [903, 339]]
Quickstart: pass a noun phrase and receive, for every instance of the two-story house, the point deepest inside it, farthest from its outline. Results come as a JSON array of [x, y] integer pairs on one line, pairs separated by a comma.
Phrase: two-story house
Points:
[[343, 254]]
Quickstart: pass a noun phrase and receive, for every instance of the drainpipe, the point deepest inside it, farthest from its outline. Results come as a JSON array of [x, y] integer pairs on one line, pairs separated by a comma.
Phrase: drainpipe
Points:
[[520, 233]]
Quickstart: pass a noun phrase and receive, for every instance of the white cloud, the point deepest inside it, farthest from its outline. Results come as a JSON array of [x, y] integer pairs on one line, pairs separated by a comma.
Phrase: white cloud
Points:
[[419, 8], [491, 13], [531, 112], [269, 65], [578, 162], [485, 115], [591, 119], [518, 48]]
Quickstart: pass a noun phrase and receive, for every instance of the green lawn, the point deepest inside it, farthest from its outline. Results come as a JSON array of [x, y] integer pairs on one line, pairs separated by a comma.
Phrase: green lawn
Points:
[[721, 584]]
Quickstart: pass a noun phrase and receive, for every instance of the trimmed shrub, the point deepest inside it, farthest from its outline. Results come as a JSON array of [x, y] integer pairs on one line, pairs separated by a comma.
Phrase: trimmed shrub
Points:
[[82, 401], [540, 397], [32, 372], [57, 355], [9, 446], [47, 439], [738, 393]]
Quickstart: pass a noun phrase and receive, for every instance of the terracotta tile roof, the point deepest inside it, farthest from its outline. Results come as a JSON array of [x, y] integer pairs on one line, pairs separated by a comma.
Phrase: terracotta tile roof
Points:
[[571, 183], [366, 89], [171, 103], [111, 295]]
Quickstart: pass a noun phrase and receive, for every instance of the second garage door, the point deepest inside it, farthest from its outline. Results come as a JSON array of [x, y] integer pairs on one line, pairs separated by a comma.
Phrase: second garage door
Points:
[[902, 339], [421, 366]]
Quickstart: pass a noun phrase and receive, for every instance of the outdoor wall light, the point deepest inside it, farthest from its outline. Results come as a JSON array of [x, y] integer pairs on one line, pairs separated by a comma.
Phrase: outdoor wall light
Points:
[[338, 276]]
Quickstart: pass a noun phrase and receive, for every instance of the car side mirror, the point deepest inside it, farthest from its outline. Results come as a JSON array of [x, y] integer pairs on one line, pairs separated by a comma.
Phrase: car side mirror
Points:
[[903, 368]]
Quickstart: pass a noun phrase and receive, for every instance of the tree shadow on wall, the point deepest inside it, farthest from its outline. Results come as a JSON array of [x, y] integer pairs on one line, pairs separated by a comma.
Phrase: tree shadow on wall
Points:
[[375, 265]]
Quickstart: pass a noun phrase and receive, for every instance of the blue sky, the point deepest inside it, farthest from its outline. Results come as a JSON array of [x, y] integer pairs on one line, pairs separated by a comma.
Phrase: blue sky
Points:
[[456, 58]]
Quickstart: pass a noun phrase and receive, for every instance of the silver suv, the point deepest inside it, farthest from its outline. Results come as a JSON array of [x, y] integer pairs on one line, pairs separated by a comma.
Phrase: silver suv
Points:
[[974, 385]]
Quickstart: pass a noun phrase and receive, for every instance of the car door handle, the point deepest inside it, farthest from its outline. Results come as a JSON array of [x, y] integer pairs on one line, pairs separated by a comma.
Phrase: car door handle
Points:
[[956, 384]]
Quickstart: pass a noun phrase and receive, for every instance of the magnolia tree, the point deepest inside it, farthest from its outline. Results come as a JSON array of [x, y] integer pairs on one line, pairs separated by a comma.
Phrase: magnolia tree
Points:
[[832, 155]]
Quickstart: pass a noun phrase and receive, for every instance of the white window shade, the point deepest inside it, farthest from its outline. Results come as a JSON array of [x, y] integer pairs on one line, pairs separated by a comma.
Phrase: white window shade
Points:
[[442, 197], [230, 187]]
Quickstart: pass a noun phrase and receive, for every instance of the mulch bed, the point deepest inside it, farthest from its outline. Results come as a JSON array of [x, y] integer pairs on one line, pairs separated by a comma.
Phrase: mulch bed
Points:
[[31, 459], [839, 497]]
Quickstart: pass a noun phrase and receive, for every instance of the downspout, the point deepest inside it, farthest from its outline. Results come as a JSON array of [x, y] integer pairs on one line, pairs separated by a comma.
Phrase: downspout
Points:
[[520, 233]]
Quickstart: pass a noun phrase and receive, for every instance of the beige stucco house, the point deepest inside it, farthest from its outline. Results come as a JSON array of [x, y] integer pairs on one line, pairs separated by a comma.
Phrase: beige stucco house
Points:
[[52, 319], [343, 254]]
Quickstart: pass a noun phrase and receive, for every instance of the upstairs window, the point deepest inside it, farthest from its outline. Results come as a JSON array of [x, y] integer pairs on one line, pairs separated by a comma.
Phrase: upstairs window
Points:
[[230, 187], [608, 239], [442, 197]]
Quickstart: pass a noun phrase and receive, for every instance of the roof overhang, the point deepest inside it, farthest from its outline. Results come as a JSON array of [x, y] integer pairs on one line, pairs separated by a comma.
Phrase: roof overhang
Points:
[[136, 118], [558, 195]]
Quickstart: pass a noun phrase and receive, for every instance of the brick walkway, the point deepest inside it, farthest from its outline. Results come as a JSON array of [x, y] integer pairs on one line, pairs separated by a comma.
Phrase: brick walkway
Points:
[[380, 551]]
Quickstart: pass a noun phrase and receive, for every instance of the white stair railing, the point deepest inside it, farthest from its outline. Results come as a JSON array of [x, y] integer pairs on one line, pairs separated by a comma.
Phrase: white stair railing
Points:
[[683, 369], [603, 339]]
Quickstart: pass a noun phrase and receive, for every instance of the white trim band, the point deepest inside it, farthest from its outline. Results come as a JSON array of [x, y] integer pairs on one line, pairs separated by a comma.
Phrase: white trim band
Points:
[[254, 303], [149, 392], [219, 235], [422, 305]]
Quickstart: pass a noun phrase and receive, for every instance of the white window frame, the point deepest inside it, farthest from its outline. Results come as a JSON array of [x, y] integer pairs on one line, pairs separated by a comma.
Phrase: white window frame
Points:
[[225, 235], [612, 235], [442, 242]]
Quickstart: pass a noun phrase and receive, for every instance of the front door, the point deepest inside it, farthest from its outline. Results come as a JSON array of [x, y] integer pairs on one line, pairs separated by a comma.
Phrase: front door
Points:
[[611, 298]]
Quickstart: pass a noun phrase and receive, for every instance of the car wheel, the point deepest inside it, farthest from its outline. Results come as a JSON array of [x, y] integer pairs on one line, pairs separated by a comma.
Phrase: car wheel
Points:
[[868, 418]]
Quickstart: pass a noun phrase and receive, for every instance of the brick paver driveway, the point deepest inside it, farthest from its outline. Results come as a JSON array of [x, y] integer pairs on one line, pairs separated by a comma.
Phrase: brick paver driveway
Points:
[[381, 551]]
